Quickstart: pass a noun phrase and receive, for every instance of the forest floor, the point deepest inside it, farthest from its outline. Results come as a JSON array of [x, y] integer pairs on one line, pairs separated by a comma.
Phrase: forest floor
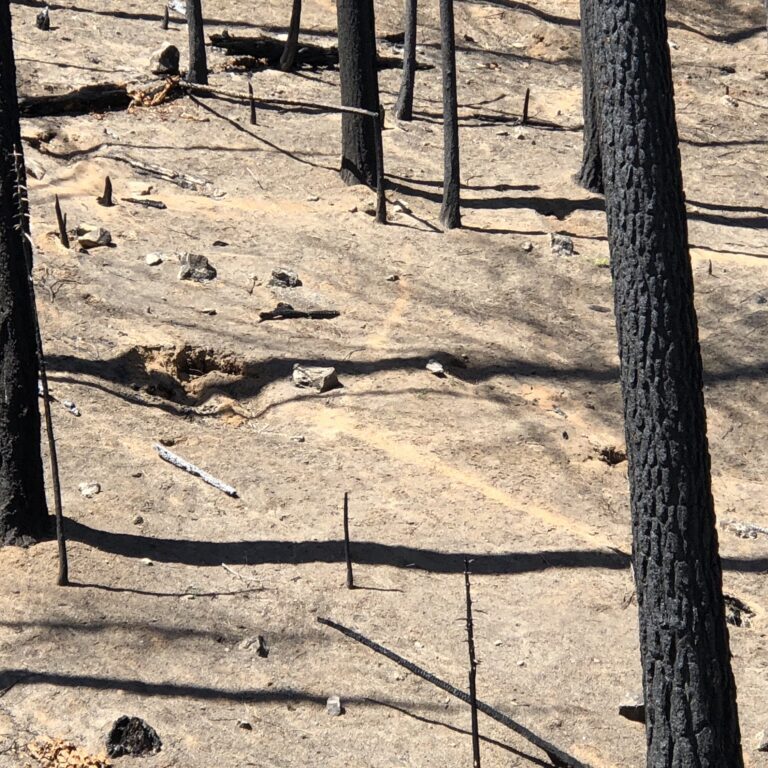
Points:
[[499, 461]]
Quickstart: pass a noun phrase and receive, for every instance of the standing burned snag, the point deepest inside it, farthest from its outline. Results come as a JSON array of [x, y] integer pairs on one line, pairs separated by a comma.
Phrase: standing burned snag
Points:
[[690, 693], [404, 105], [359, 88], [198, 63], [288, 57], [591, 174], [450, 213], [23, 512]]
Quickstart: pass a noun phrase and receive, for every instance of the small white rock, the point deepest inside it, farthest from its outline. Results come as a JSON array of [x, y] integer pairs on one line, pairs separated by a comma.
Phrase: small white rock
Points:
[[527, 246], [153, 259], [147, 561], [89, 490], [433, 366], [333, 706]]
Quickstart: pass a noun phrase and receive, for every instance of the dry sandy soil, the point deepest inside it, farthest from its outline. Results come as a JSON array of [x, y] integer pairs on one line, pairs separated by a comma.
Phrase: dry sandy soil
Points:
[[498, 461]]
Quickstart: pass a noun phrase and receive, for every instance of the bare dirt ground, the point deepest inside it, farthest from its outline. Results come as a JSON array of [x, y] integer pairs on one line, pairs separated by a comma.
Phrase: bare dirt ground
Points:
[[498, 461]]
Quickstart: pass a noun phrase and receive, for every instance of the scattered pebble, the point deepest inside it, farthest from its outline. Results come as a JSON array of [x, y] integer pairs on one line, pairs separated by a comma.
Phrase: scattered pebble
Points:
[[299, 439], [146, 561], [257, 643], [244, 725], [392, 278], [89, 490], [761, 743], [138, 520], [312, 198], [208, 311], [562, 245], [527, 246], [333, 706], [153, 259]]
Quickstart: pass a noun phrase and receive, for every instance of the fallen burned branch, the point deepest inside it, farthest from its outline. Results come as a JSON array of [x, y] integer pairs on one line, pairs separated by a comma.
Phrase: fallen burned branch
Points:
[[183, 180], [271, 49], [556, 755], [177, 461], [146, 203], [101, 97], [287, 312]]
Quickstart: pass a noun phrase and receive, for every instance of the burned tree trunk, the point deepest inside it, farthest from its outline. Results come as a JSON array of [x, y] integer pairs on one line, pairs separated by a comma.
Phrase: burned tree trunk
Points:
[[591, 174], [450, 213], [288, 59], [198, 63], [23, 513], [404, 105], [690, 694], [359, 88]]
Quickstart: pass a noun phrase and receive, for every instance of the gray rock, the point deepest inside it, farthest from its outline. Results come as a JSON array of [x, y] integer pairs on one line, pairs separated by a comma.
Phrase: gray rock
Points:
[[165, 60], [333, 706], [284, 278], [196, 267], [321, 379], [43, 20], [34, 169], [93, 238], [633, 708], [562, 245]]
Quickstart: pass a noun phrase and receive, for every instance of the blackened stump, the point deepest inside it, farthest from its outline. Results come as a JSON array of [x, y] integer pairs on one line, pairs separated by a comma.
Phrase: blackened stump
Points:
[[404, 105], [359, 88], [591, 173], [450, 213], [288, 58], [690, 694], [132, 736], [23, 512], [198, 63]]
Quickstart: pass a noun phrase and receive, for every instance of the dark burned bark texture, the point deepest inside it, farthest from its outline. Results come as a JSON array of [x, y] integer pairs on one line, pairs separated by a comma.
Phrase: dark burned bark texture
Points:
[[359, 88], [404, 104], [450, 213], [288, 58], [690, 693], [198, 63], [23, 513], [591, 174]]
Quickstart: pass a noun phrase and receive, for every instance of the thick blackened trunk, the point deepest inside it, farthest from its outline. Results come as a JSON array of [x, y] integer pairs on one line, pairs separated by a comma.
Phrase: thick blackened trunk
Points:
[[404, 105], [591, 174], [689, 688], [359, 88], [450, 213], [198, 63], [288, 59], [23, 514]]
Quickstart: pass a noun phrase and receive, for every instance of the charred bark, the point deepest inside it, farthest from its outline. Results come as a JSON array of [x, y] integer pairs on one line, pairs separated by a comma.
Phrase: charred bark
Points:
[[450, 213], [288, 58], [198, 63], [404, 104], [359, 88], [591, 174], [690, 693], [23, 512]]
